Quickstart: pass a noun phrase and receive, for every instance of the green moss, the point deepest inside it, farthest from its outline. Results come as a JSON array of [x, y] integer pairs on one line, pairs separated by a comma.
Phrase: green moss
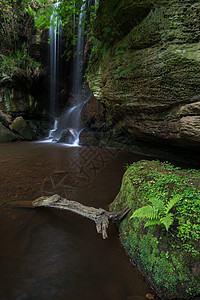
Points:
[[165, 258], [181, 64]]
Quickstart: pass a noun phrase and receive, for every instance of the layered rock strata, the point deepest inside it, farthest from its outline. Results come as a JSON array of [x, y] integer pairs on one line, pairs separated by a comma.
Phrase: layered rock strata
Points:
[[145, 69]]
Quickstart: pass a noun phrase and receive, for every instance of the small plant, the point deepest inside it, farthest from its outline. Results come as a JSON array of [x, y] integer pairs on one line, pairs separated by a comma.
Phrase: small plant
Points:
[[19, 63], [158, 213]]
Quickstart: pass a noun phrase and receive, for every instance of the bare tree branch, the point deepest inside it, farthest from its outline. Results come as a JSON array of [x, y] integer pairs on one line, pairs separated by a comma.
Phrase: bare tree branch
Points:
[[100, 216]]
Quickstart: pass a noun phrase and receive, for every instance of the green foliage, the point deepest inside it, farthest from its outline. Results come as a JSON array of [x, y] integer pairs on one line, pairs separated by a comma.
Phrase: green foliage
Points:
[[14, 24], [158, 212], [158, 253], [19, 63], [164, 183], [67, 12]]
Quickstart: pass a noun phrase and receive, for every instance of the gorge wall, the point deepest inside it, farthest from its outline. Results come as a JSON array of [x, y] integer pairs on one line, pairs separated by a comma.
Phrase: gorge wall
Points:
[[145, 68], [22, 65]]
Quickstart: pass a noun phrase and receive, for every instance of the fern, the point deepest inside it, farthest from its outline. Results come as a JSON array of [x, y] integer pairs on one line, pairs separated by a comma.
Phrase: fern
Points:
[[152, 222], [167, 220], [158, 212], [145, 212], [172, 202], [158, 204]]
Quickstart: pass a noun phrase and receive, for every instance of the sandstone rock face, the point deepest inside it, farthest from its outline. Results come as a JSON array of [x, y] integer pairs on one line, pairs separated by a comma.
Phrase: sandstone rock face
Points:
[[23, 57], [93, 114], [98, 129], [146, 70]]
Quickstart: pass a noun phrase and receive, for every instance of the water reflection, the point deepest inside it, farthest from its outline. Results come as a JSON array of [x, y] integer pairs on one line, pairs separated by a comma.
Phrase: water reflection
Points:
[[50, 254]]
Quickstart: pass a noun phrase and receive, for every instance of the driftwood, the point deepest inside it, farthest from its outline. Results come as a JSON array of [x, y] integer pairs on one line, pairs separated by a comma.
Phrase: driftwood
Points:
[[100, 216]]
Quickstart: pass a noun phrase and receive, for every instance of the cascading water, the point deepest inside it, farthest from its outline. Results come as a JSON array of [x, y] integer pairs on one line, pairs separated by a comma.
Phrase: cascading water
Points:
[[69, 124], [72, 118], [54, 38], [51, 132], [54, 54]]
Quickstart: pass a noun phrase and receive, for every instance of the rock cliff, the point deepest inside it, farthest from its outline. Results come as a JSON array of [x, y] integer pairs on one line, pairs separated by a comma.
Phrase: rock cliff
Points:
[[145, 68], [22, 49]]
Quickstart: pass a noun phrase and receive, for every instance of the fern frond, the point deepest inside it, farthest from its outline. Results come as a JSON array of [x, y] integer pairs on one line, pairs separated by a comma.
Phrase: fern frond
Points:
[[152, 222], [144, 212], [172, 202], [155, 213], [158, 204], [167, 220]]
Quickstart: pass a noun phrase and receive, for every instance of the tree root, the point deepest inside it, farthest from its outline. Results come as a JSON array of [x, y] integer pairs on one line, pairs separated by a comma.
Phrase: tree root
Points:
[[100, 216]]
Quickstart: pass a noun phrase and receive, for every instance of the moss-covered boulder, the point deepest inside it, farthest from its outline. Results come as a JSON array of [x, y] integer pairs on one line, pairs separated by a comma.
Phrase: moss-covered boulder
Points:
[[6, 135], [170, 260], [21, 127], [144, 68]]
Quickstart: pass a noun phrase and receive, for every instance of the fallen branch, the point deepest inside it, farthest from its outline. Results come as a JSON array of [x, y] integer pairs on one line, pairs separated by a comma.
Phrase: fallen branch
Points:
[[100, 216]]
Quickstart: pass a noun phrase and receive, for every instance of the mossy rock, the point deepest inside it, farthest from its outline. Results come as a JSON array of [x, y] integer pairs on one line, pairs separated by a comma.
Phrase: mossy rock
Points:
[[170, 260], [144, 68], [7, 136], [20, 126], [115, 18]]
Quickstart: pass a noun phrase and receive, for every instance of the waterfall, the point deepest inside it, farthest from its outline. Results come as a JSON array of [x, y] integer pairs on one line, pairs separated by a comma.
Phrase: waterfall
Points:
[[77, 97], [68, 127], [78, 60], [54, 53], [55, 126]]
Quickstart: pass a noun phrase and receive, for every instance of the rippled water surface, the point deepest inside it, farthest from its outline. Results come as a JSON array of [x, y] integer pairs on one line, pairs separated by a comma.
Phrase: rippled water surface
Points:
[[47, 254]]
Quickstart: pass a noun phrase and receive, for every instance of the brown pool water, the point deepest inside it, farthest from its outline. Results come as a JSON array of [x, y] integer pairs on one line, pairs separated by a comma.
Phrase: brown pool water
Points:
[[47, 254]]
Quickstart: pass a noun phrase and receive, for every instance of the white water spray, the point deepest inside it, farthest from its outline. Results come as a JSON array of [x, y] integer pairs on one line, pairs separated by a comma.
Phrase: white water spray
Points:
[[52, 131]]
